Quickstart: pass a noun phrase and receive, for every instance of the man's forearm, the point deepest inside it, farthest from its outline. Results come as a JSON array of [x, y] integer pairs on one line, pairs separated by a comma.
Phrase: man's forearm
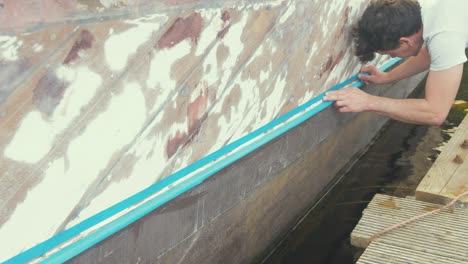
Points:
[[414, 111], [410, 67]]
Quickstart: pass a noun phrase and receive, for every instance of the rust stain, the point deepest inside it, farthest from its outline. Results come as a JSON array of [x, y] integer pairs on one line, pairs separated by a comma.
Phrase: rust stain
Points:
[[225, 16], [222, 54], [48, 92], [223, 32], [330, 64], [232, 99], [345, 21], [196, 114], [464, 145], [181, 29], [338, 59], [196, 110], [83, 42], [458, 159], [325, 67], [175, 143], [390, 204], [430, 208]]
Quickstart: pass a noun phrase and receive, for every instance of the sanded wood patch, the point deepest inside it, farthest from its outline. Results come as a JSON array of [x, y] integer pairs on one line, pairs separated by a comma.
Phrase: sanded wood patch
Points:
[[439, 238], [448, 177]]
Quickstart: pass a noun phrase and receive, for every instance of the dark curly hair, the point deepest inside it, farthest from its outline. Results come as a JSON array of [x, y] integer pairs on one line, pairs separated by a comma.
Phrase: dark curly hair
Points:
[[382, 25]]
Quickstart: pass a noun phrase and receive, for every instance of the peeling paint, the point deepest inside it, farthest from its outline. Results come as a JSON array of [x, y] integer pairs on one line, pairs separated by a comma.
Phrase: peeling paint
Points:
[[38, 47], [118, 49], [289, 12], [34, 137], [207, 35], [160, 70], [122, 108], [181, 29], [9, 47], [83, 42]]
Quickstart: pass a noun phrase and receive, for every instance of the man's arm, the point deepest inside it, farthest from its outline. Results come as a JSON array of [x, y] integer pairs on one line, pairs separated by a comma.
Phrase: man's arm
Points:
[[410, 67], [441, 89]]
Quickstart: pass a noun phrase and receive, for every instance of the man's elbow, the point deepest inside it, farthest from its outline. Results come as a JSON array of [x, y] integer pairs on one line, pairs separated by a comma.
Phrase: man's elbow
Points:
[[437, 119]]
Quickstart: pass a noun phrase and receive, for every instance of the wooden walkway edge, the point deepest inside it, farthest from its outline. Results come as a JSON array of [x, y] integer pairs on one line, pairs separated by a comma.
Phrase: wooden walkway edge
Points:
[[448, 176], [440, 238]]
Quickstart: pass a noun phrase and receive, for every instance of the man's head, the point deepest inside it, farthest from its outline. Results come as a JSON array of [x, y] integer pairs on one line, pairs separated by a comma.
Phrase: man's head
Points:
[[392, 27]]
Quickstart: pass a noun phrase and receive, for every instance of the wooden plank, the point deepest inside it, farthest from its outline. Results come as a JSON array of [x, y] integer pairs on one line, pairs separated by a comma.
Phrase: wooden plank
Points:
[[447, 177], [439, 238], [381, 253]]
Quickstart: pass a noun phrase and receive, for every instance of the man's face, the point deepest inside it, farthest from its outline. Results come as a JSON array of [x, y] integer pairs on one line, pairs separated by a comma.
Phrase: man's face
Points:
[[408, 47], [402, 52]]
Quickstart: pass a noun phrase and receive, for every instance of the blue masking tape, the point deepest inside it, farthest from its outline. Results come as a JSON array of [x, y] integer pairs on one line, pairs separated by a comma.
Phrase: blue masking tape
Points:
[[269, 132]]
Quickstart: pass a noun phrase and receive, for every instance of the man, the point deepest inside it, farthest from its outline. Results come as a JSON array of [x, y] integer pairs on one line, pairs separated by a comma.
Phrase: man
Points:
[[433, 34]]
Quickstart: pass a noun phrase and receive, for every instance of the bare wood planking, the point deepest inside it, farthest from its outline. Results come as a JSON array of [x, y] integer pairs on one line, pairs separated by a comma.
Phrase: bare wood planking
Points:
[[448, 177], [385, 211], [439, 238], [381, 253], [173, 126]]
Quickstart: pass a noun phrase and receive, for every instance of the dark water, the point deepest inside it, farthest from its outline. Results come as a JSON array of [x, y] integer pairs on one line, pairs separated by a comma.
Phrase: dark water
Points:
[[394, 164]]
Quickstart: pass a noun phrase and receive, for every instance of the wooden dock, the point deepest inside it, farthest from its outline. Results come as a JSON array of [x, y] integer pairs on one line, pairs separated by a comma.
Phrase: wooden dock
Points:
[[448, 176], [441, 237]]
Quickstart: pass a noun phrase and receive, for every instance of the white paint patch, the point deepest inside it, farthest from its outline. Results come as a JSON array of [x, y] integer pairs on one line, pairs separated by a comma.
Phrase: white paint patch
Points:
[[307, 97], [289, 12], [241, 114], [110, 3], [210, 33], [37, 47], [53, 199], [312, 52], [43, 203], [265, 4], [160, 70], [265, 74], [146, 169], [36, 134], [221, 74], [109, 132], [119, 47], [233, 40], [9, 47], [114, 129], [274, 101], [32, 141]]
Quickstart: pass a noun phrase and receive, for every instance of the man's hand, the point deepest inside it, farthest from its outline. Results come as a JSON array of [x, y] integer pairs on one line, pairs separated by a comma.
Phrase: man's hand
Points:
[[441, 89], [349, 99], [375, 75]]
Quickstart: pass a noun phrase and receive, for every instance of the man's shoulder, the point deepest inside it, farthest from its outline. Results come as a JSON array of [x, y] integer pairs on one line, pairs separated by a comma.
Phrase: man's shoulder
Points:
[[447, 49]]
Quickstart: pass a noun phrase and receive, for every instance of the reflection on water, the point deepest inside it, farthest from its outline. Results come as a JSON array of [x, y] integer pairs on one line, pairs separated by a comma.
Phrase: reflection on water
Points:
[[394, 165]]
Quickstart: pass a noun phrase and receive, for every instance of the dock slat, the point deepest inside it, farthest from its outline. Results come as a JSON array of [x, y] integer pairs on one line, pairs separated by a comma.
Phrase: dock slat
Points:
[[439, 238], [447, 177], [381, 253]]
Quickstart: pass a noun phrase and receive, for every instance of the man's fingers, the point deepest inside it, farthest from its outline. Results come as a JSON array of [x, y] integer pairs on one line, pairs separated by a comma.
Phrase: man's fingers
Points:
[[365, 77], [344, 109], [340, 103], [367, 68]]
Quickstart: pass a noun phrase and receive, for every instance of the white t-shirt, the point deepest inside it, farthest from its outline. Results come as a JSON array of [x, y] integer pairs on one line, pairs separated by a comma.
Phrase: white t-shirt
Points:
[[445, 31]]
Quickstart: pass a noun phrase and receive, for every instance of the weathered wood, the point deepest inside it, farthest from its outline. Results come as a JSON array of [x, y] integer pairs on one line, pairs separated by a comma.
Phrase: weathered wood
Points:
[[448, 177], [380, 253], [439, 238]]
